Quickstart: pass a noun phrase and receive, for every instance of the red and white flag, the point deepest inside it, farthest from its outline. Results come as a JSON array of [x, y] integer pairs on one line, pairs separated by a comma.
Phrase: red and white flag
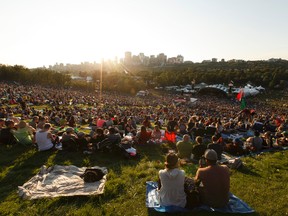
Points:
[[240, 95]]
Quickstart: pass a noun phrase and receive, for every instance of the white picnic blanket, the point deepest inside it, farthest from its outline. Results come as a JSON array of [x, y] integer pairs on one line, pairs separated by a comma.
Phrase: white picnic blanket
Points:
[[60, 181]]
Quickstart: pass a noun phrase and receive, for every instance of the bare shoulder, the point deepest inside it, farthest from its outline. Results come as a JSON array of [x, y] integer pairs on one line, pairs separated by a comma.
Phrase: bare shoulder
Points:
[[162, 171], [182, 172], [224, 167], [202, 169]]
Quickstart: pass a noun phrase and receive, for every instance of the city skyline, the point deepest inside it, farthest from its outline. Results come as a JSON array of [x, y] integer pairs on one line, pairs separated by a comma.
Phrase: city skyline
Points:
[[41, 33]]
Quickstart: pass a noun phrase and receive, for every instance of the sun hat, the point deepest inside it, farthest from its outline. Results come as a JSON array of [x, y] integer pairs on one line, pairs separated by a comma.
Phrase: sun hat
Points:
[[210, 154]]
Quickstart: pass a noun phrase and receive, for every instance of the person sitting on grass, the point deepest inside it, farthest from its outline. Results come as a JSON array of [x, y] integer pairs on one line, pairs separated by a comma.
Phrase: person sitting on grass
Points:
[[129, 127], [11, 117], [198, 149], [172, 125], [69, 134], [33, 123], [83, 142], [184, 147], [182, 126], [255, 144], [69, 140], [7, 134], [113, 138], [147, 122], [214, 181], [97, 136], [44, 138], [42, 121], [217, 147], [143, 136], [171, 183], [71, 121], [156, 134], [24, 134]]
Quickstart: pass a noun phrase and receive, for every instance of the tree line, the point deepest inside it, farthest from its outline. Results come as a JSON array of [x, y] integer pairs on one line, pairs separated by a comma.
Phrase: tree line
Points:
[[264, 73], [44, 77]]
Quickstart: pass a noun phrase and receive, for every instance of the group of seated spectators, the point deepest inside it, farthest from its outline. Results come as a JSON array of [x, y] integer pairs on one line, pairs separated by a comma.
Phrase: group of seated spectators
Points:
[[207, 129], [141, 120]]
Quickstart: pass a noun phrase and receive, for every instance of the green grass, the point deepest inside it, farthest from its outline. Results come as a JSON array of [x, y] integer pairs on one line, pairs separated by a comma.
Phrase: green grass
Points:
[[262, 183]]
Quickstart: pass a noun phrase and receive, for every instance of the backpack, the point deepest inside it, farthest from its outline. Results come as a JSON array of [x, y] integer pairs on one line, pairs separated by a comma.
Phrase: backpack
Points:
[[192, 194], [92, 175], [70, 145]]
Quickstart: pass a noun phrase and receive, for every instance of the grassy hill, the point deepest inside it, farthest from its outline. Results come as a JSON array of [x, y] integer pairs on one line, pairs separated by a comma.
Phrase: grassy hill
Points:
[[261, 183]]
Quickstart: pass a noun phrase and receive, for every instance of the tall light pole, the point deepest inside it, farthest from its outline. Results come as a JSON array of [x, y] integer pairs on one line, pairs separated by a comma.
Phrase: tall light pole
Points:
[[101, 77]]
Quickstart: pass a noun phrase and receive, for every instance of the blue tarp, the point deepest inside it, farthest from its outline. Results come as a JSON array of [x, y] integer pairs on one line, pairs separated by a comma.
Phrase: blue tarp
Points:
[[235, 204]]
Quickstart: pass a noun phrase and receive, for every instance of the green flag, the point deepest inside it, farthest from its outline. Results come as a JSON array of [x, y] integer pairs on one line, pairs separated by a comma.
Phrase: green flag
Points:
[[243, 103]]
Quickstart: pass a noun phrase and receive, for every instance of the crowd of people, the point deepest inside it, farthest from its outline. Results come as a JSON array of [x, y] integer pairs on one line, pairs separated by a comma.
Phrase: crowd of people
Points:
[[45, 117], [141, 119]]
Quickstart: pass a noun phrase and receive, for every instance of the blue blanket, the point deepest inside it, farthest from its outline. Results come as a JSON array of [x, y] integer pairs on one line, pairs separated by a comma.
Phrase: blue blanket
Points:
[[235, 204]]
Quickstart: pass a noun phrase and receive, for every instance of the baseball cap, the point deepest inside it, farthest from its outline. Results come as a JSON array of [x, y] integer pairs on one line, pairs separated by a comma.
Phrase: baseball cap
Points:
[[210, 154]]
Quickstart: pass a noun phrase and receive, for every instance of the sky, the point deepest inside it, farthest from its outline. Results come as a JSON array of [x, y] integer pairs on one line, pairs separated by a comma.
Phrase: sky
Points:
[[36, 33]]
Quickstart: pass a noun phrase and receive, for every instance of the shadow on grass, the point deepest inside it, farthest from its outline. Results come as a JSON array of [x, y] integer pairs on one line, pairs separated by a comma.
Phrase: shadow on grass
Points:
[[23, 166], [10, 153], [25, 163], [73, 202], [152, 152], [102, 159], [245, 170]]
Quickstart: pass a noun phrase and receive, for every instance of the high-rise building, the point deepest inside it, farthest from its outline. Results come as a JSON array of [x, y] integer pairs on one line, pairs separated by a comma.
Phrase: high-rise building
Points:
[[141, 57], [179, 59], [162, 59], [128, 58]]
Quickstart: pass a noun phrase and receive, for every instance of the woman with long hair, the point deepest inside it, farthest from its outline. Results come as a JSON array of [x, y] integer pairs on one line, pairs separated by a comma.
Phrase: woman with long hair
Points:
[[171, 183]]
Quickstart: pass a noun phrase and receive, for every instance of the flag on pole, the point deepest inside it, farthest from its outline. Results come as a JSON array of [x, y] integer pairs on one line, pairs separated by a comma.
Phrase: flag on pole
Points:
[[243, 103], [240, 97], [240, 94]]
